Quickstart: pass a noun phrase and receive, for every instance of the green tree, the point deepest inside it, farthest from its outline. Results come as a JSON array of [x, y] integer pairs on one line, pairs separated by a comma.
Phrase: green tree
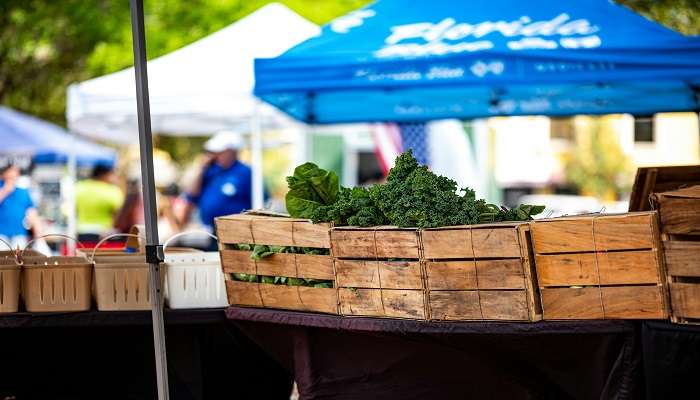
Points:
[[596, 165]]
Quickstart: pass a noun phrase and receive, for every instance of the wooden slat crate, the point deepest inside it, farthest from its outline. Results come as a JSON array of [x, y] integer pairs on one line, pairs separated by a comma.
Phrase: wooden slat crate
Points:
[[600, 267], [679, 212], [481, 272], [379, 272], [278, 231]]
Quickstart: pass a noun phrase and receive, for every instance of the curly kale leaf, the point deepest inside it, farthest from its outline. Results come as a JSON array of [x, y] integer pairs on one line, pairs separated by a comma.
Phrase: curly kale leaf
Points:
[[310, 188], [352, 207], [415, 197]]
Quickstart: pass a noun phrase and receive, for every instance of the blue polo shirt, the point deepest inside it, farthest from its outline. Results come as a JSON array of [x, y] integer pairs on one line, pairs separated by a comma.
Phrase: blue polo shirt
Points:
[[224, 191], [13, 210]]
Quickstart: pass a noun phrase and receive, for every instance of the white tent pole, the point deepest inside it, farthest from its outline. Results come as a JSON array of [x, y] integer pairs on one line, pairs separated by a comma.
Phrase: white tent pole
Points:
[[154, 251], [257, 159], [72, 228]]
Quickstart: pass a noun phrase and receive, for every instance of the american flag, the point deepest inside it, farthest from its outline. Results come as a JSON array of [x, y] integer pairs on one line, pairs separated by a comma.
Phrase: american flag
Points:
[[390, 140], [415, 137]]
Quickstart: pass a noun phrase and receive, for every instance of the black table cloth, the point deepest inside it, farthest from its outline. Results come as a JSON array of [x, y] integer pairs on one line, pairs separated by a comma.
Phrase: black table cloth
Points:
[[370, 358], [109, 355], [671, 360]]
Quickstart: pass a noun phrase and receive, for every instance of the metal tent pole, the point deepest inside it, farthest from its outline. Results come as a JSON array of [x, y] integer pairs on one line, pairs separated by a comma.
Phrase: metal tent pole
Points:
[[154, 252]]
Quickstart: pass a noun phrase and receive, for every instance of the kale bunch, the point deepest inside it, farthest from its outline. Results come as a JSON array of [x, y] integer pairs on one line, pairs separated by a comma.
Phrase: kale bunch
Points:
[[352, 207], [415, 197]]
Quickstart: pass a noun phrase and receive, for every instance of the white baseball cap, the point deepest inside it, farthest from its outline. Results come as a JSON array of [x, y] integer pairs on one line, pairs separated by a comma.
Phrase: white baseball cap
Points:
[[225, 140]]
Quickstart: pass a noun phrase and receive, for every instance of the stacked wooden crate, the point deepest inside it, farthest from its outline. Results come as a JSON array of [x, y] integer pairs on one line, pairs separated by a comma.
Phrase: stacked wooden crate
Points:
[[379, 272], [679, 212], [481, 272], [600, 267], [277, 231]]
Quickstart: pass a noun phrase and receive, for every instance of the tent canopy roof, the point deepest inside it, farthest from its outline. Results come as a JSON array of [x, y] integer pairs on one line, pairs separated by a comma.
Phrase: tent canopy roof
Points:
[[45, 142], [403, 60], [201, 88]]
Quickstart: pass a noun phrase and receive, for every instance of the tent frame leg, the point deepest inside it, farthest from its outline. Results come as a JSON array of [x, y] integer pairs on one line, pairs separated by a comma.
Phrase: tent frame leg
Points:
[[153, 250]]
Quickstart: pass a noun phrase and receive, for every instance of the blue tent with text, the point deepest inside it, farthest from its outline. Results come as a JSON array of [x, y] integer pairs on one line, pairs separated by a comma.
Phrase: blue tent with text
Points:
[[402, 60]]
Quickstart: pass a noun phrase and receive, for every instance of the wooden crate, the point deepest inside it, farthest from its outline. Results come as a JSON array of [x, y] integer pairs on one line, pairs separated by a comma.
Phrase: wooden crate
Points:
[[279, 231], [650, 180], [379, 272], [481, 272], [679, 212], [600, 267]]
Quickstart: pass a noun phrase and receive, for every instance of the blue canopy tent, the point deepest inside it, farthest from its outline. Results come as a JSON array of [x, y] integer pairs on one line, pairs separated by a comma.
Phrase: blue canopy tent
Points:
[[47, 143], [401, 60]]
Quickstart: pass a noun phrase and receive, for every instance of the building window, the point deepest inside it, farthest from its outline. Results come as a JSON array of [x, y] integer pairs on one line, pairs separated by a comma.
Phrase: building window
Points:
[[562, 128], [644, 129]]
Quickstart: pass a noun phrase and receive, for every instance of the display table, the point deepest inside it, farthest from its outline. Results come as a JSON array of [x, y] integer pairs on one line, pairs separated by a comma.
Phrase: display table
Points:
[[368, 358], [109, 355], [671, 359]]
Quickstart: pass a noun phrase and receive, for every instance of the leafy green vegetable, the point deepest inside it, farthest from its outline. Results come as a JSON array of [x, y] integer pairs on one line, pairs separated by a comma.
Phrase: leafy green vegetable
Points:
[[415, 197], [352, 207], [310, 188], [283, 280], [261, 251], [245, 277], [411, 197]]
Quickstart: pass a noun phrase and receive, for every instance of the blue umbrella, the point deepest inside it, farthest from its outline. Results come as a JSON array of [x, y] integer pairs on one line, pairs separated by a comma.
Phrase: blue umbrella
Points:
[[401, 60], [47, 143]]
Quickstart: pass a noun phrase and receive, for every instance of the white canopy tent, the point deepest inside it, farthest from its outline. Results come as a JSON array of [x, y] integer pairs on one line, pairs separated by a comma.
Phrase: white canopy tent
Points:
[[199, 89]]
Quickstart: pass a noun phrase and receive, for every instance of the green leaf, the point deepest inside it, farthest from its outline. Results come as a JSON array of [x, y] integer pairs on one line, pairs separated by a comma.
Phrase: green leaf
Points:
[[309, 189]]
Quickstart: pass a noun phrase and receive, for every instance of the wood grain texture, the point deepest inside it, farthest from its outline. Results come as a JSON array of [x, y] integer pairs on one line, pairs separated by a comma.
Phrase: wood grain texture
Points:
[[382, 303], [685, 299], [634, 302], [563, 236], [297, 298], [504, 305], [277, 231], [624, 232], [579, 269], [379, 274], [495, 242], [454, 305], [447, 243], [500, 274], [375, 243], [314, 266], [612, 302], [660, 179], [631, 231], [571, 303], [243, 293], [451, 275], [679, 211], [682, 258]]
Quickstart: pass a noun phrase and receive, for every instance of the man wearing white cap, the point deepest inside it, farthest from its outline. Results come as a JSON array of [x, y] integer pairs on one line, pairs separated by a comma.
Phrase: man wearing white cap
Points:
[[224, 184]]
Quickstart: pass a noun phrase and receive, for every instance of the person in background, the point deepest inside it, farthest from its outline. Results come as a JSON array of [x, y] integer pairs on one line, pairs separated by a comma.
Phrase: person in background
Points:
[[17, 212], [223, 185], [97, 201]]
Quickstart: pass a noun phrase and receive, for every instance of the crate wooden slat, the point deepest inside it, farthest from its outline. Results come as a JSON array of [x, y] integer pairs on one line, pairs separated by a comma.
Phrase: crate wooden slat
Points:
[[278, 231], [600, 267], [375, 243], [391, 303], [480, 272], [679, 212]]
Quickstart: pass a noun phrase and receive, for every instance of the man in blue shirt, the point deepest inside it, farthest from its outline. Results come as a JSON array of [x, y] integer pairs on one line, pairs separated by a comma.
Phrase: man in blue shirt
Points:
[[224, 184], [17, 211]]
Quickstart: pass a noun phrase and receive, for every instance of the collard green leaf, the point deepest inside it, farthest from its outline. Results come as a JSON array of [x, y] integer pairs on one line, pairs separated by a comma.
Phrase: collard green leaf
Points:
[[310, 188]]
